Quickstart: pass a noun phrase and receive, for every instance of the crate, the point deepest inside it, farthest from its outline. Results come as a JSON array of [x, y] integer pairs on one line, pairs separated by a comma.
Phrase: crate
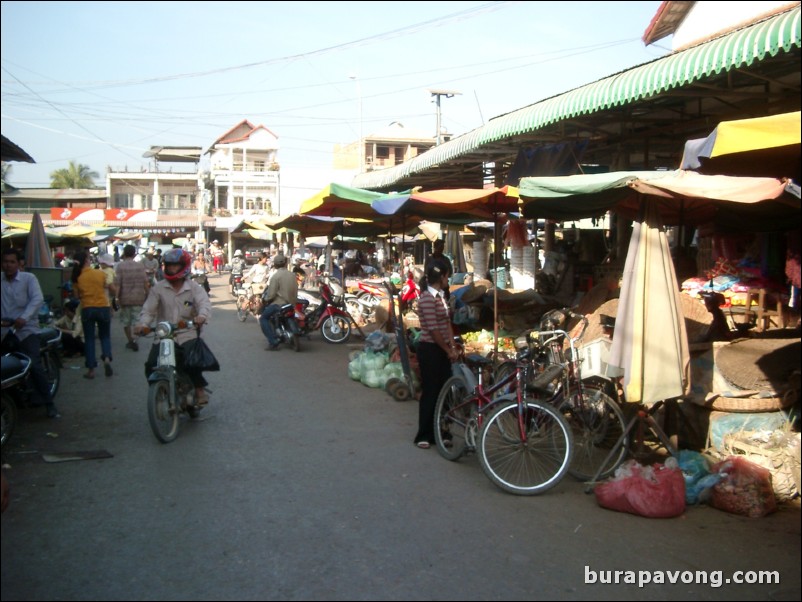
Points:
[[594, 359]]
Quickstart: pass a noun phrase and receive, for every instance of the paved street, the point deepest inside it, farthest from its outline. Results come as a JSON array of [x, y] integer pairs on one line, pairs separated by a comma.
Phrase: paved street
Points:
[[299, 483]]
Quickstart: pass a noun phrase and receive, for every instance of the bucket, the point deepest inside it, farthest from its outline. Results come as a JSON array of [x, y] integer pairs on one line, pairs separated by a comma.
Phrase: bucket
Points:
[[499, 277]]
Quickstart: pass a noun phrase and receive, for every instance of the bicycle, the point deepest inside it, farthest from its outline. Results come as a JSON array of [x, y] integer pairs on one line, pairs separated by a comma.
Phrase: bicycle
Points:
[[597, 422], [524, 445]]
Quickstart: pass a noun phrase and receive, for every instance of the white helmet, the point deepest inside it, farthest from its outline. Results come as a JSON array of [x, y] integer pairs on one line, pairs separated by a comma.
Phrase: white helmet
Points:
[[237, 253]]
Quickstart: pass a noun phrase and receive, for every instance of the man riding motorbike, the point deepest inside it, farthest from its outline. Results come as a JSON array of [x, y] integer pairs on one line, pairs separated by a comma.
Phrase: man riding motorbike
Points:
[[237, 268], [282, 289], [175, 299], [21, 300]]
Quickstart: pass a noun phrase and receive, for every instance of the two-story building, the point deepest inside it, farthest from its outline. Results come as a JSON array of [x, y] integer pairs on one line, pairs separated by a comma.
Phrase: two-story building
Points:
[[387, 147], [244, 171]]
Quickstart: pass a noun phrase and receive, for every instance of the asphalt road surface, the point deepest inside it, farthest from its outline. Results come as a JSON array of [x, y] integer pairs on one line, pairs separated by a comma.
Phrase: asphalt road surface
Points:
[[298, 484]]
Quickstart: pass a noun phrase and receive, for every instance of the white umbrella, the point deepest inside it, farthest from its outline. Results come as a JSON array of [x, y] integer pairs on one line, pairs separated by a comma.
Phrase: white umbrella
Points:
[[650, 342]]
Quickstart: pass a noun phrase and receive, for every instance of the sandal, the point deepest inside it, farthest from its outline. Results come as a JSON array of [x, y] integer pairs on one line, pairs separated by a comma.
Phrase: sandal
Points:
[[202, 398], [423, 444]]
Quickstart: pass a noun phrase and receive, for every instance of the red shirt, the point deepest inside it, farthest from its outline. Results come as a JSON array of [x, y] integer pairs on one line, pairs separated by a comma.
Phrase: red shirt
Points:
[[433, 314]]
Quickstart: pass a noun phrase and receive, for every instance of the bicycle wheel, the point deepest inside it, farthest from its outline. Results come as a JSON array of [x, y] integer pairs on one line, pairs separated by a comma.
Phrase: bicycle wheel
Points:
[[162, 414], [336, 329], [597, 424], [242, 308], [528, 464], [455, 419]]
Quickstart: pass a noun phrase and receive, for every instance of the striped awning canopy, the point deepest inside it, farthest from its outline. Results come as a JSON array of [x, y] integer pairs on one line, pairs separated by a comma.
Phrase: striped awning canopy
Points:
[[643, 114]]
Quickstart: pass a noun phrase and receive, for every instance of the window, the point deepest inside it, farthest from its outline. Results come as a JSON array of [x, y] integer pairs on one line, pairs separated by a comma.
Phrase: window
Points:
[[382, 152], [399, 154]]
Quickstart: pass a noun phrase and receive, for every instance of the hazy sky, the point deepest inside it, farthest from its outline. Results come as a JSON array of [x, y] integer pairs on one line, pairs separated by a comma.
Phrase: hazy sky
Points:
[[101, 82]]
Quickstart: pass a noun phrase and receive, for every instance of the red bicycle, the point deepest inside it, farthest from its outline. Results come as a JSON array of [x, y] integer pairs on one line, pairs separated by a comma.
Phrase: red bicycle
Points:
[[524, 445]]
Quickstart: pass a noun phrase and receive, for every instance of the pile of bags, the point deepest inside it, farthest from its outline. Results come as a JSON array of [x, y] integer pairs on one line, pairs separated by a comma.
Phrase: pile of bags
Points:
[[734, 485]]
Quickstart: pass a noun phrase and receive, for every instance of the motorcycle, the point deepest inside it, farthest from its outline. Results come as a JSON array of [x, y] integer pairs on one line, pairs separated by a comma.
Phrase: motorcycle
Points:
[[362, 305], [17, 385], [330, 316], [201, 278], [235, 282], [170, 391], [286, 323], [408, 297]]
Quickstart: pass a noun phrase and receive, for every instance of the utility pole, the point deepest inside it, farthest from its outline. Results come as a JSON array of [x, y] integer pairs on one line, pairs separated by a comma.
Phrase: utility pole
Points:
[[437, 94]]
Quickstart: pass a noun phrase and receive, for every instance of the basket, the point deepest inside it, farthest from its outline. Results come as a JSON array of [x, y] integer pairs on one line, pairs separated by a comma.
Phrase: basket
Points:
[[749, 404], [777, 451]]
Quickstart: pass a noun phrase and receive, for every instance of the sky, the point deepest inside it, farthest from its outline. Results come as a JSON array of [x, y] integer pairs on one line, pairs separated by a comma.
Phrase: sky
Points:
[[99, 83]]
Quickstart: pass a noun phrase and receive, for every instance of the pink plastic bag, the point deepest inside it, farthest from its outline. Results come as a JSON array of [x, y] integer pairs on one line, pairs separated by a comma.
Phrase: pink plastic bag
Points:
[[745, 489], [651, 491]]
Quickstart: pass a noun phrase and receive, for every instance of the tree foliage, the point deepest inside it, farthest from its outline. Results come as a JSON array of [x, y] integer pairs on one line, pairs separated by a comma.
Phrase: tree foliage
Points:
[[74, 176]]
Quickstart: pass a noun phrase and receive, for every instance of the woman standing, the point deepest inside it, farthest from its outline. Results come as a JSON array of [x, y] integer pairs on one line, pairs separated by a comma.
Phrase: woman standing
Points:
[[436, 351], [94, 292]]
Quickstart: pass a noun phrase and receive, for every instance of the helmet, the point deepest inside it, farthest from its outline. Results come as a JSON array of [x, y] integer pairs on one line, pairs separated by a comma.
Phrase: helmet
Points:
[[237, 253], [180, 257]]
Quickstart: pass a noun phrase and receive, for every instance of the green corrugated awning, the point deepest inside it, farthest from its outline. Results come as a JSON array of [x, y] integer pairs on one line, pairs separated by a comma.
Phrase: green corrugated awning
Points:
[[780, 33]]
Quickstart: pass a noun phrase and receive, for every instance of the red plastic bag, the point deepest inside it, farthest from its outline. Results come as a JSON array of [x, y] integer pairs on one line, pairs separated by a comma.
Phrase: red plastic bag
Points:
[[652, 491], [745, 489]]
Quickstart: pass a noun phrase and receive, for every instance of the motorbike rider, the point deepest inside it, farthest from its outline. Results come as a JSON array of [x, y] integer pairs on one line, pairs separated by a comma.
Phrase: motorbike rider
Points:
[[21, 300], [237, 267], [177, 298], [200, 269], [258, 274], [283, 289]]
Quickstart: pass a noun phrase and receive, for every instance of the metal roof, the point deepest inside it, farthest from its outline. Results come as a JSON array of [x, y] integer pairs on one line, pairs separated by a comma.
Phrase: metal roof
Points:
[[750, 72]]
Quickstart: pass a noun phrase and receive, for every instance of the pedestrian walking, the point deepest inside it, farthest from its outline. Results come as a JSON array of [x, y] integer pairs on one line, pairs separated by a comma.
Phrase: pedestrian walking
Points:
[[133, 285], [90, 285]]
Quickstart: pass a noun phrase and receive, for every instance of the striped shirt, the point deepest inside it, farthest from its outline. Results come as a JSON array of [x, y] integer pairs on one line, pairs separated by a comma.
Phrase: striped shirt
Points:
[[433, 315]]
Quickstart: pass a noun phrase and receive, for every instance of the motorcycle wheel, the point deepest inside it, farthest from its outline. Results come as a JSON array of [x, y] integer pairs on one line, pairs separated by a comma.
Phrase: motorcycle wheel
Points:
[[355, 309], [162, 414], [336, 329], [186, 393], [295, 342], [242, 308], [52, 372], [8, 419]]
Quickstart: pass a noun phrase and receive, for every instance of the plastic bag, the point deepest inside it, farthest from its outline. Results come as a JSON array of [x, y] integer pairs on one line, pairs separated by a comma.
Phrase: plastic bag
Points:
[[651, 491], [695, 471], [198, 356], [745, 488]]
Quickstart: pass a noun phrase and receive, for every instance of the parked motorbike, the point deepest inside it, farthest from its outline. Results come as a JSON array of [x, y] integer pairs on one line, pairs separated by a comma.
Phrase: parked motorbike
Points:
[[170, 391], [362, 305], [330, 316], [408, 297], [17, 383]]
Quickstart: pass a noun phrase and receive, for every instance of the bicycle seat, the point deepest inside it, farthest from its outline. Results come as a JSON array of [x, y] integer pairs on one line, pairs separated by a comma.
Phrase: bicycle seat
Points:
[[474, 360]]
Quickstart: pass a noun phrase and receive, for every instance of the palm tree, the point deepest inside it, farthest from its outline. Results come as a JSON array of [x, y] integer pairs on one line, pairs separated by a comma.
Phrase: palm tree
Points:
[[75, 176]]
